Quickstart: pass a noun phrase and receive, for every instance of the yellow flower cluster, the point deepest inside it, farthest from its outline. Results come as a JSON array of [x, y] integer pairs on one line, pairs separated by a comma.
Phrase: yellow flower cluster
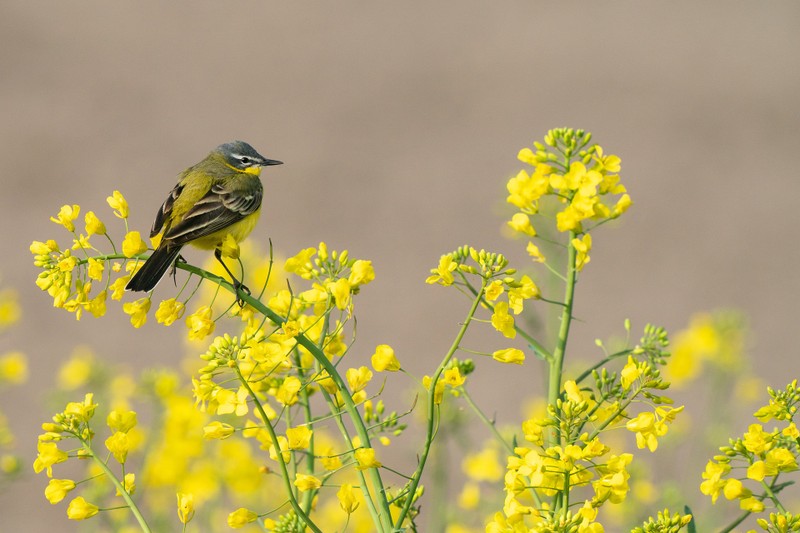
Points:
[[580, 186], [69, 275], [761, 456], [568, 453], [716, 338]]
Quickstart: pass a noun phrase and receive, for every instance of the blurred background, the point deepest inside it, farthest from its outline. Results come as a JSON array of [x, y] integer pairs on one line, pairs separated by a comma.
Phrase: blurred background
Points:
[[399, 126]]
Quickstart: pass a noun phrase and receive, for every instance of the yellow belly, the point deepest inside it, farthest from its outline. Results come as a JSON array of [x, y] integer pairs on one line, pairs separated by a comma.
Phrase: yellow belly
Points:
[[238, 230]]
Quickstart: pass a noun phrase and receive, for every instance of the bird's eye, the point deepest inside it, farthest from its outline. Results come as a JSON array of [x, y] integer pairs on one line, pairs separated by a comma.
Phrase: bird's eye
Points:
[[245, 160]]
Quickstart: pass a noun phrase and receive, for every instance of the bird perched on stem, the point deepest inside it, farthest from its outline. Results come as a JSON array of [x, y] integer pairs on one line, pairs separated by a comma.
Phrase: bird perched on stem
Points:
[[219, 196]]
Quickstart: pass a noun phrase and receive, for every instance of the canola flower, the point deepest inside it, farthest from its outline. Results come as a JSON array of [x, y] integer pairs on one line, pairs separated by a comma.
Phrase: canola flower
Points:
[[277, 380]]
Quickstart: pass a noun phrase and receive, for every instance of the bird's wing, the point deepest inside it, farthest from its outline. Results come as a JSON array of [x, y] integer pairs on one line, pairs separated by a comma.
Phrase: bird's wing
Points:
[[165, 210], [217, 210]]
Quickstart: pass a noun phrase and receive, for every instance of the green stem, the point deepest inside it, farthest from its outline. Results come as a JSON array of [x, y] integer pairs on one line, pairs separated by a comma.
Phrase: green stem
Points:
[[493, 428], [771, 496], [431, 414], [557, 361], [349, 406], [741, 518], [485, 419], [287, 481], [308, 496], [119, 486], [605, 360], [536, 345]]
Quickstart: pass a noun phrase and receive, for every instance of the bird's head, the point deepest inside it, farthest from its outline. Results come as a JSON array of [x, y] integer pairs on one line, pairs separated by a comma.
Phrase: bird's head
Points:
[[243, 158]]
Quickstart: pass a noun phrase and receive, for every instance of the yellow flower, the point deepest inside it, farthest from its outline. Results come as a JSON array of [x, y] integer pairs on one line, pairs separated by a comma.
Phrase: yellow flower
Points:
[[791, 431], [66, 216], [301, 264], [94, 226], [613, 482], [283, 445], [138, 311], [483, 466], [57, 489], [533, 431], [752, 504], [494, 290], [241, 517], [526, 290], [756, 440], [118, 445], [340, 290], [361, 273], [759, 470], [630, 373], [200, 324], [185, 507], [49, 454], [366, 459], [128, 484], [13, 368], [781, 459], [509, 355], [287, 392], [230, 248], [582, 246], [358, 378], [621, 206], [443, 274], [95, 269], [83, 411], [217, 430], [384, 360], [644, 425], [524, 189], [574, 393], [522, 223], [291, 328], [329, 460], [169, 311], [227, 401], [735, 489], [120, 420], [569, 219], [118, 203], [133, 244], [9, 308], [438, 394], [502, 321], [453, 377], [299, 438], [326, 382], [470, 496], [534, 252], [347, 498], [118, 287], [306, 482], [80, 509]]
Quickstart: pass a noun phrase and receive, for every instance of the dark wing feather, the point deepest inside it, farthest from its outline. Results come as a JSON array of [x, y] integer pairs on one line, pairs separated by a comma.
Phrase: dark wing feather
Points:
[[166, 208], [218, 209]]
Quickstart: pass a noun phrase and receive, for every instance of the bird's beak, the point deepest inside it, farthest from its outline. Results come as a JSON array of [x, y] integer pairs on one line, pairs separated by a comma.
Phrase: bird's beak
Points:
[[270, 162]]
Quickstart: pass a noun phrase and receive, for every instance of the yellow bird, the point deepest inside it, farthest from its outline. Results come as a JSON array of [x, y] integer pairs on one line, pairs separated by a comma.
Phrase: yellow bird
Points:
[[219, 196]]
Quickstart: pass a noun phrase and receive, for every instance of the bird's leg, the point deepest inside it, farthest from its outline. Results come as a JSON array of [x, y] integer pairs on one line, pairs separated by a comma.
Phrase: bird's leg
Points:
[[237, 285], [173, 271]]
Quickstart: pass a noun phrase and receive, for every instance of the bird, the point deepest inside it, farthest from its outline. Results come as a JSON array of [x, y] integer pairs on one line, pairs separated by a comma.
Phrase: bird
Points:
[[219, 196]]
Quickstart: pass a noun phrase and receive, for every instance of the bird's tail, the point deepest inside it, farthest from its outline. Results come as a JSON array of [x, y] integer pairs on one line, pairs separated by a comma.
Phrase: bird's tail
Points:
[[153, 269]]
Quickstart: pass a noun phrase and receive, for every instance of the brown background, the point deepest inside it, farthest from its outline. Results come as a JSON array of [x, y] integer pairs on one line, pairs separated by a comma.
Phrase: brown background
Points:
[[399, 124]]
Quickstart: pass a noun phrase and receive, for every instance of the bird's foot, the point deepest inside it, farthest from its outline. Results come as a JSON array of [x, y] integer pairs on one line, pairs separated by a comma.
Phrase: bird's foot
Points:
[[173, 270], [239, 286]]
